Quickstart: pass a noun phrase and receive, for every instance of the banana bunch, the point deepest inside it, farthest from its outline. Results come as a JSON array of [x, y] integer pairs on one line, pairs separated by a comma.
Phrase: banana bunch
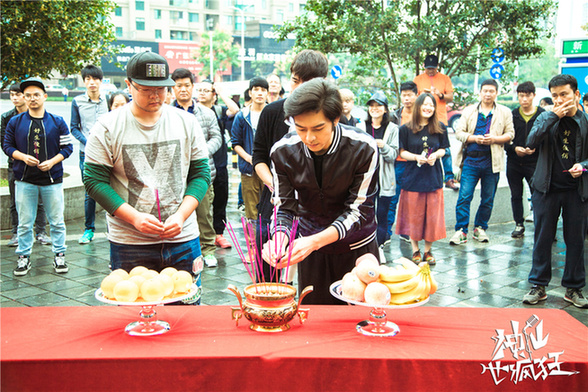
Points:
[[407, 281]]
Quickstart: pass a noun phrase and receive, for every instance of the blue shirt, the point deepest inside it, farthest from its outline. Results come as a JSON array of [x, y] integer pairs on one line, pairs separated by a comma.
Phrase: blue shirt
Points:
[[484, 160]]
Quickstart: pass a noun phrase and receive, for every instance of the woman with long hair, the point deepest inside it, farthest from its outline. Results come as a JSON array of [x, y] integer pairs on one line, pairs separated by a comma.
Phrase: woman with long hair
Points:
[[378, 125], [422, 143]]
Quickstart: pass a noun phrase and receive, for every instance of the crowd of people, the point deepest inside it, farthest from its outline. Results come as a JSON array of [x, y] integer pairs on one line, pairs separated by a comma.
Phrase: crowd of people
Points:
[[156, 159]]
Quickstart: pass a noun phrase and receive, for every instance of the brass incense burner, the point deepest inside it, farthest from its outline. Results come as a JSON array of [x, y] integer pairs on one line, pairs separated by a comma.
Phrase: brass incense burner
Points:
[[269, 306]]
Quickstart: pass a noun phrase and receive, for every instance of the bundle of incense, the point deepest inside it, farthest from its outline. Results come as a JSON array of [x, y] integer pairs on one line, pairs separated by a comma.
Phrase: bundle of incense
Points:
[[253, 261]]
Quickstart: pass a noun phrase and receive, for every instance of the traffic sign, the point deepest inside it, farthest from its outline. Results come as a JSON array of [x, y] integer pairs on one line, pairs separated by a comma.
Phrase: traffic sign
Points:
[[497, 55], [336, 72], [574, 47], [496, 71]]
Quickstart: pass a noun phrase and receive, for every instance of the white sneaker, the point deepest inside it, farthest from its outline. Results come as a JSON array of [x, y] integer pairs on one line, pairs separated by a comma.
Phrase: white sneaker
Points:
[[480, 235], [210, 261], [59, 263], [458, 238]]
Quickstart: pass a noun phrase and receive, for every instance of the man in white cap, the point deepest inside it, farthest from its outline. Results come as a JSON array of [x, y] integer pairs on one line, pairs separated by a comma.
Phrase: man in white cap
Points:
[[147, 166]]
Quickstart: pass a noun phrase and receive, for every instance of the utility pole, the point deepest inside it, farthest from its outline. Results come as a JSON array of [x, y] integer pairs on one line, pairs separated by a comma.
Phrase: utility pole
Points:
[[210, 28]]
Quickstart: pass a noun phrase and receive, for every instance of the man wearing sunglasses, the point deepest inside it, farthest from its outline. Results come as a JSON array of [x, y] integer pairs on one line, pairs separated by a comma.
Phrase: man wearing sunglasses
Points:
[[147, 166]]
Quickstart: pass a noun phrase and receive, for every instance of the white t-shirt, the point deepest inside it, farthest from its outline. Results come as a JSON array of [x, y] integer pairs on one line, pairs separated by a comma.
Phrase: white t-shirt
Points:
[[145, 159]]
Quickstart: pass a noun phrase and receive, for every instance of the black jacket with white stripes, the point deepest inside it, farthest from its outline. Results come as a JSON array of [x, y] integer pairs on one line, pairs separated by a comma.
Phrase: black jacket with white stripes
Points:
[[346, 198]]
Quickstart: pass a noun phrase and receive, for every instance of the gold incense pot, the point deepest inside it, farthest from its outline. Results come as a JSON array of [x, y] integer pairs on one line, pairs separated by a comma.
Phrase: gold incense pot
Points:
[[269, 306]]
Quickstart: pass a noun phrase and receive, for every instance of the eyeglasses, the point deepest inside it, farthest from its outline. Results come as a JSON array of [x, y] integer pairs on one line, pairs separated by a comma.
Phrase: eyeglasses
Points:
[[149, 91], [205, 90], [28, 97]]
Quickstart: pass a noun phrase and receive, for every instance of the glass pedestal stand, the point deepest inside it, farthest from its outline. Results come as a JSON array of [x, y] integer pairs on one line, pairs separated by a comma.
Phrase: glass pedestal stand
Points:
[[377, 324], [148, 325]]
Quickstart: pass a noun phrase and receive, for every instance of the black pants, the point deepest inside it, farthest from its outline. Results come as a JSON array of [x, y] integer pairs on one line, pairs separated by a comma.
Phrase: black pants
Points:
[[221, 196], [321, 270], [515, 174], [546, 210]]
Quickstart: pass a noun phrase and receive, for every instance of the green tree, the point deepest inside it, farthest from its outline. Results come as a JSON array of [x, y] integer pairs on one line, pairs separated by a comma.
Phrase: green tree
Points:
[[225, 54], [387, 35], [38, 37]]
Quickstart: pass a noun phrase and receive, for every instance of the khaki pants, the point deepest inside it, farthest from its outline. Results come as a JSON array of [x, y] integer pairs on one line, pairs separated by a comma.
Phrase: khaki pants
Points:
[[204, 218], [251, 186]]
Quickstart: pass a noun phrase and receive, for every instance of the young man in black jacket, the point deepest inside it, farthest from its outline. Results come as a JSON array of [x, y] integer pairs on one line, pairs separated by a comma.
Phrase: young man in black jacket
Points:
[[521, 160], [560, 184], [326, 174], [307, 65]]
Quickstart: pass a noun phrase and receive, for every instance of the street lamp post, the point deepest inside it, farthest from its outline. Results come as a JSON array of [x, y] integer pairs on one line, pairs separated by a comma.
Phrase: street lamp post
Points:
[[242, 11], [209, 27]]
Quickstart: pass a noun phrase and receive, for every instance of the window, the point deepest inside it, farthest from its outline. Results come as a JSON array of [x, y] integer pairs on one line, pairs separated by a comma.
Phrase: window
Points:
[[237, 23], [139, 5], [119, 32], [157, 14], [280, 15], [158, 34], [178, 3], [118, 11], [263, 4], [193, 36], [193, 17], [178, 35], [175, 15], [290, 7], [140, 24], [228, 20]]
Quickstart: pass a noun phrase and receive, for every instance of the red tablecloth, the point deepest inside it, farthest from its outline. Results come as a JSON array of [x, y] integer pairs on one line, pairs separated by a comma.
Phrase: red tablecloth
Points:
[[437, 349]]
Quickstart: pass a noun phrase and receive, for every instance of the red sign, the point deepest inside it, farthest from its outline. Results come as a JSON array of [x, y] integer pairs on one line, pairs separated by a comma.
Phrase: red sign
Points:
[[181, 55]]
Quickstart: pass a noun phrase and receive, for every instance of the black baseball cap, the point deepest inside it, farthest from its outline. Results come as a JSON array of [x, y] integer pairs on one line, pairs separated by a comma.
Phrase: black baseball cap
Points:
[[258, 81], [149, 69], [379, 98], [32, 82], [431, 61]]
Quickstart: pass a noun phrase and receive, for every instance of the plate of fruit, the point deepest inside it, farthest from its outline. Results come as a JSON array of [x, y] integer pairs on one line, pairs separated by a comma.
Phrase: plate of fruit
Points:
[[146, 288], [142, 286], [403, 285]]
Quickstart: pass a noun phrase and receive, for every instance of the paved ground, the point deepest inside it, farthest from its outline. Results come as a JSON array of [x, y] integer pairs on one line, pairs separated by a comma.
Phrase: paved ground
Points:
[[469, 275]]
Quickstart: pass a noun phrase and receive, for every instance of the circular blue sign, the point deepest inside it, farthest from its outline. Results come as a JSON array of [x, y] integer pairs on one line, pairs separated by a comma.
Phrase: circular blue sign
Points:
[[496, 71], [497, 55], [336, 72]]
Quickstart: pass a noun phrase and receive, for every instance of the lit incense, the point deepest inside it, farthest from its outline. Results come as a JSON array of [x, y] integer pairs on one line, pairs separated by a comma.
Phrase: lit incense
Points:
[[158, 206]]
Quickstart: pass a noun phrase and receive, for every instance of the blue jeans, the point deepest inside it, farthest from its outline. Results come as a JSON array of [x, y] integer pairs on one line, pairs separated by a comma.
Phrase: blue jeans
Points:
[[399, 167], [89, 203], [181, 256], [382, 207], [27, 199], [447, 165], [40, 221], [469, 179]]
